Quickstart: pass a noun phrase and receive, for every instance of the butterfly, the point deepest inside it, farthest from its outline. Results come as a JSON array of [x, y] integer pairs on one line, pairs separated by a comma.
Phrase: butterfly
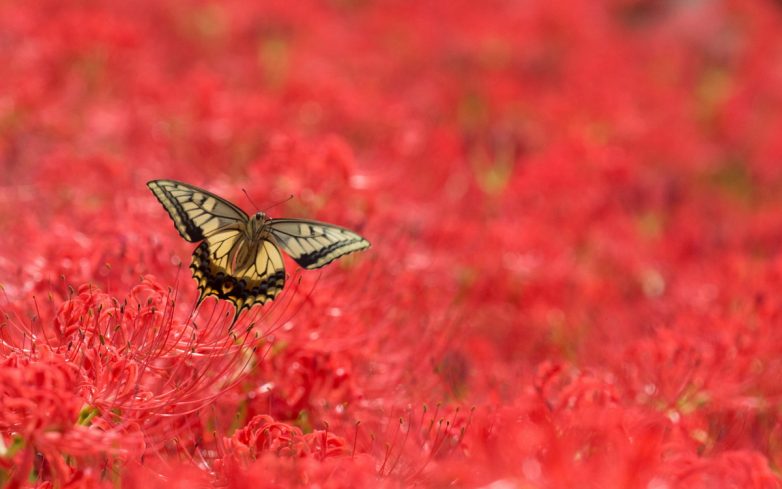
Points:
[[239, 257]]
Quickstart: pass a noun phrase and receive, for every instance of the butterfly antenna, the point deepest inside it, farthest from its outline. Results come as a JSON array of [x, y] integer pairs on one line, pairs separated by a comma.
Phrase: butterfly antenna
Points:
[[251, 200], [279, 203]]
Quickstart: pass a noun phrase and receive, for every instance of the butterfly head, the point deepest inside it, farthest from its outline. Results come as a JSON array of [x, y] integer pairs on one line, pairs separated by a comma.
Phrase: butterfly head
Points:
[[256, 228]]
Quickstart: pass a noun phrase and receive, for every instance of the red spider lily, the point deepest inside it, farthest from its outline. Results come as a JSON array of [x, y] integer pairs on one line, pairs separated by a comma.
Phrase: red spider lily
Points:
[[42, 423], [262, 434], [125, 370], [575, 216]]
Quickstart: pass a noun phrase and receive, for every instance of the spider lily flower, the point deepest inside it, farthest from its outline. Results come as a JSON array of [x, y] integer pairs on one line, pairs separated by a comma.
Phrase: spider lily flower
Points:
[[112, 378], [41, 424], [263, 434], [575, 215]]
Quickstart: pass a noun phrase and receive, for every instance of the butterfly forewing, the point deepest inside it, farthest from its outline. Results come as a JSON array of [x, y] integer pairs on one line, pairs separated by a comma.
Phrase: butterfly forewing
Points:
[[314, 244], [196, 213]]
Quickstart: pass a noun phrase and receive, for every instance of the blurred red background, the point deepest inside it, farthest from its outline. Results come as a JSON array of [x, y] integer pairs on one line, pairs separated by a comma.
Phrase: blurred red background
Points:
[[576, 220]]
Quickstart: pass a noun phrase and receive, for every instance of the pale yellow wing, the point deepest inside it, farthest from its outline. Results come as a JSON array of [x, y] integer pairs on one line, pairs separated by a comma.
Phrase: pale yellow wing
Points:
[[196, 213], [230, 267], [314, 244]]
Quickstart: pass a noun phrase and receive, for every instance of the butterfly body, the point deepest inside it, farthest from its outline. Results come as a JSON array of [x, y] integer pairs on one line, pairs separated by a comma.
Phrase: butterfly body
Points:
[[239, 257]]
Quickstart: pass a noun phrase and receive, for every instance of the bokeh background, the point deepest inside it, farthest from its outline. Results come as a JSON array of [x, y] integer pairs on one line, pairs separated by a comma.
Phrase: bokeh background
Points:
[[576, 216]]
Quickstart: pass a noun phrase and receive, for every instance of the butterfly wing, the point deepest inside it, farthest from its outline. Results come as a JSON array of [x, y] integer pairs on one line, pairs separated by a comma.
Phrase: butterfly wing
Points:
[[239, 271], [314, 244], [197, 214]]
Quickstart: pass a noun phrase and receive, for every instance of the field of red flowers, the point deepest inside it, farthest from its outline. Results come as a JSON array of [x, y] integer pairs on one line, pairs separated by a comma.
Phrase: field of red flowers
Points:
[[575, 209]]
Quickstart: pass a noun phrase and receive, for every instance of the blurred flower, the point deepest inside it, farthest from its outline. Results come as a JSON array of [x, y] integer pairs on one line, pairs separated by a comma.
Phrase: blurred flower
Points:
[[575, 216]]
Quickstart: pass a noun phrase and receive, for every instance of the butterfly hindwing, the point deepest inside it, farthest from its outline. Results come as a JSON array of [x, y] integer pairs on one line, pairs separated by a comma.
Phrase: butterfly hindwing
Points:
[[314, 244], [196, 213], [245, 278]]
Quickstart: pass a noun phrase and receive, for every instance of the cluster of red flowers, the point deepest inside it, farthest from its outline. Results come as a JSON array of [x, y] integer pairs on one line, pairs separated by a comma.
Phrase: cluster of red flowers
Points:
[[576, 216]]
